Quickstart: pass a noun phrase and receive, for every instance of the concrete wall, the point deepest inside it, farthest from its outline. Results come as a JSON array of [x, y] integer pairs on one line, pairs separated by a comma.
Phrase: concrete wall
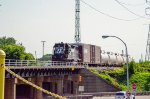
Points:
[[93, 83]]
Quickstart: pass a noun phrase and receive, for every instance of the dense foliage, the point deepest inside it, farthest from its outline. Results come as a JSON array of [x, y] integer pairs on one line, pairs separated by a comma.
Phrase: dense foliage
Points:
[[142, 80], [105, 76], [46, 57], [139, 73], [13, 50], [7, 41]]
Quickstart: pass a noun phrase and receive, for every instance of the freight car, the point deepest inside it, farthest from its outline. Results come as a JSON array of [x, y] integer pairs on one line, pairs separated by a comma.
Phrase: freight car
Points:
[[86, 53], [112, 59]]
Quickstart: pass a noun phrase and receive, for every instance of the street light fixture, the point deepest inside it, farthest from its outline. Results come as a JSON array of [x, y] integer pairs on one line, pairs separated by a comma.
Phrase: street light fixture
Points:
[[127, 59]]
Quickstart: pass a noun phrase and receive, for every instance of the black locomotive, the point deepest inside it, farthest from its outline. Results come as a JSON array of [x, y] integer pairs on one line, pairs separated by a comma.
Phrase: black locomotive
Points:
[[65, 52]]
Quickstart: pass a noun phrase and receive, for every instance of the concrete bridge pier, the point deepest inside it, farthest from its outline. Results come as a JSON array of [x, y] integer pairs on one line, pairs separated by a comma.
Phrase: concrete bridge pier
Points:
[[60, 86], [10, 88], [37, 93]]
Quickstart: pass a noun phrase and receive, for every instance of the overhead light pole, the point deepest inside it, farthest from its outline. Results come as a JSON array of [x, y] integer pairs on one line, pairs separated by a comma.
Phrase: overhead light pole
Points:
[[43, 47], [127, 59]]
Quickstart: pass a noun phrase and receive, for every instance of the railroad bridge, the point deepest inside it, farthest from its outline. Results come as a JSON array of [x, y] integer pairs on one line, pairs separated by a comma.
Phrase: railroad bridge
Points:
[[57, 77]]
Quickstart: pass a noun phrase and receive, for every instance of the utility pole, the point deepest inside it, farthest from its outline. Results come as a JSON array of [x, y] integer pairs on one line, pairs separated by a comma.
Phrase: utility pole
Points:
[[77, 22], [43, 47]]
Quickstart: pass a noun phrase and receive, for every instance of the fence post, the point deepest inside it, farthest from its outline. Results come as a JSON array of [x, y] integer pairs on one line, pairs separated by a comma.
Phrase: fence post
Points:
[[2, 73]]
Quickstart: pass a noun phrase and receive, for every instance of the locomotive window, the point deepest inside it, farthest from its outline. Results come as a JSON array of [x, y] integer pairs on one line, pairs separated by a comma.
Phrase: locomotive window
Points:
[[59, 50]]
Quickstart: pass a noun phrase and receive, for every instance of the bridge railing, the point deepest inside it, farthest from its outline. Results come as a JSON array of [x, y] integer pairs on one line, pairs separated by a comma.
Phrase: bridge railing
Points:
[[11, 62]]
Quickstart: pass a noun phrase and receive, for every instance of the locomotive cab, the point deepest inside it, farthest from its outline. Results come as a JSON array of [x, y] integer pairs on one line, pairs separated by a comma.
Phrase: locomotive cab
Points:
[[59, 52]]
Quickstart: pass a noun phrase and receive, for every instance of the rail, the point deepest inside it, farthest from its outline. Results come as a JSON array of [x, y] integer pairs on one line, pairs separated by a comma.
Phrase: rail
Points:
[[12, 62]]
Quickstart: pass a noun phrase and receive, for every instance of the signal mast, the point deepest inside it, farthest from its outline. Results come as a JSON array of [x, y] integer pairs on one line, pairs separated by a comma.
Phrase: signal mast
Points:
[[77, 22]]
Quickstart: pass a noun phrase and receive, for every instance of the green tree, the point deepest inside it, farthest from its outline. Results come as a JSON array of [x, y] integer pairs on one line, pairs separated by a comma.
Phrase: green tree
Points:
[[132, 67], [7, 41], [46, 57], [13, 50], [28, 56]]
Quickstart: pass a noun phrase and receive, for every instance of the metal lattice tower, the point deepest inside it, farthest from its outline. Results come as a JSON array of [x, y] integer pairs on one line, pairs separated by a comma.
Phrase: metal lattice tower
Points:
[[147, 55], [77, 22]]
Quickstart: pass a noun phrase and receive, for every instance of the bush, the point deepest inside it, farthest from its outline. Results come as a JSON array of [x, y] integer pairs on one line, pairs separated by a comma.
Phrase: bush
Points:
[[139, 73], [105, 76], [142, 81]]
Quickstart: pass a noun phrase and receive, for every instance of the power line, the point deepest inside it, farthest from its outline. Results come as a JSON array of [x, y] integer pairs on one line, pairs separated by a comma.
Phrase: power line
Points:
[[130, 10], [140, 4], [108, 14]]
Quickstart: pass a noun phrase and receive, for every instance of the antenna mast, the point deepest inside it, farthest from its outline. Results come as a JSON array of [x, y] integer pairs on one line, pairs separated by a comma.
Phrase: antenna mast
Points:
[[77, 22]]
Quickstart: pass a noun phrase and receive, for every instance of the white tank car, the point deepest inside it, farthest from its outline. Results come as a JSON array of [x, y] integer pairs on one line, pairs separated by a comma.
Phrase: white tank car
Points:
[[120, 59], [104, 58], [112, 59], [124, 58]]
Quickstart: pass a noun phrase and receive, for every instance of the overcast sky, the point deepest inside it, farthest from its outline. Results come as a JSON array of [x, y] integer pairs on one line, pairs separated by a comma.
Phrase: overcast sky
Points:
[[32, 21]]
